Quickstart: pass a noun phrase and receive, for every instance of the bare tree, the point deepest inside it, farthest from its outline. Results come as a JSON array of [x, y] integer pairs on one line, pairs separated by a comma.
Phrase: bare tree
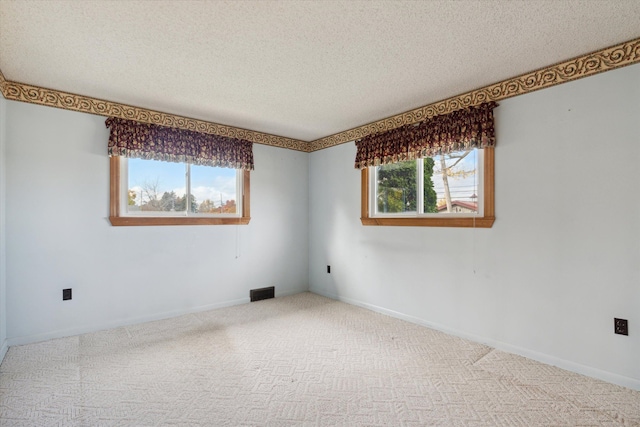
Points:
[[150, 197], [447, 171]]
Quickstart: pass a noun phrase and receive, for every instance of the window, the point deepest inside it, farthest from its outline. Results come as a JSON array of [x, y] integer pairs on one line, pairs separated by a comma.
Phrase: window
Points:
[[150, 192], [454, 190]]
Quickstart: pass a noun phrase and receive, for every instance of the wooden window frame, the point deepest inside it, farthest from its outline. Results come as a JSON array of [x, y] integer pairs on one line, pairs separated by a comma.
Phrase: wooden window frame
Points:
[[117, 220], [485, 221]]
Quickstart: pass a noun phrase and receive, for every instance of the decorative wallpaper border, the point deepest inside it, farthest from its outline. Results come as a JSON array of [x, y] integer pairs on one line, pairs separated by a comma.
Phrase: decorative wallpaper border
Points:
[[583, 66], [52, 98], [610, 58]]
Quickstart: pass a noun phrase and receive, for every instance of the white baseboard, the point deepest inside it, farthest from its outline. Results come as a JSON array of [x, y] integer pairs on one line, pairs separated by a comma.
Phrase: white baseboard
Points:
[[125, 322], [131, 321], [289, 293], [568, 365]]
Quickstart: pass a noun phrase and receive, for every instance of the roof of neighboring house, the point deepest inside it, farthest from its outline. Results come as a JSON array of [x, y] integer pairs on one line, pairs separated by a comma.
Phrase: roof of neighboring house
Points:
[[469, 205]]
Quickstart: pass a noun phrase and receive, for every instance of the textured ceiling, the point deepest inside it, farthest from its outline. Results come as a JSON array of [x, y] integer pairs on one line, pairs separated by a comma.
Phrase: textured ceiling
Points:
[[303, 70]]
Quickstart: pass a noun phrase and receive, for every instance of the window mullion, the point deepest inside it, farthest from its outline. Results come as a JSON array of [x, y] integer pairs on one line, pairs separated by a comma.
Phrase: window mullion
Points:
[[239, 190], [187, 196], [480, 178], [373, 183], [420, 187]]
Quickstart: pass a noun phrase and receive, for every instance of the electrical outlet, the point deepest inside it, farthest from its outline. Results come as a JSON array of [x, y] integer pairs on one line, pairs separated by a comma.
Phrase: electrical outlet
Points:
[[66, 294], [621, 326], [329, 269]]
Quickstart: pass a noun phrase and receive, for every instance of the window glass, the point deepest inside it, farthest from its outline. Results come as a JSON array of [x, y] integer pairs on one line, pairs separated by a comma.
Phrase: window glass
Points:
[[454, 190], [153, 193], [396, 187], [445, 184], [155, 186], [179, 189], [454, 180], [214, 190]]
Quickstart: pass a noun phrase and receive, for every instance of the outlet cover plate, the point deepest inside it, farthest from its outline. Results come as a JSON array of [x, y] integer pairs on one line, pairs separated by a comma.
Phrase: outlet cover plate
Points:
[[621, 326]]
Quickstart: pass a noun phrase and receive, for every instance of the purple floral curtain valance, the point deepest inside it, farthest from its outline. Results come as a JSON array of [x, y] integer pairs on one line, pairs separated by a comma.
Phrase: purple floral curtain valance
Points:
[[467, 128], [133, 139]]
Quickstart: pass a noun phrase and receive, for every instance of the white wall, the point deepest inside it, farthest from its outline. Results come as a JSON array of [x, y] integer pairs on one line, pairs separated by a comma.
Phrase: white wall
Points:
[[58, 235], [3, 231], [561, 261]]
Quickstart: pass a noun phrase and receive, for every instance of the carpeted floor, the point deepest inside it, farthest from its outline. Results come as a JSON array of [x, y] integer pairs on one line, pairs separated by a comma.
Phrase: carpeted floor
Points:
[[294, 361]]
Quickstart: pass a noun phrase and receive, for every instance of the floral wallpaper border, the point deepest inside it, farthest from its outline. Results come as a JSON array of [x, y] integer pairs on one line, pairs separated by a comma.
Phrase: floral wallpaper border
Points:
[[53, 98], [583, 66], [610, 58]]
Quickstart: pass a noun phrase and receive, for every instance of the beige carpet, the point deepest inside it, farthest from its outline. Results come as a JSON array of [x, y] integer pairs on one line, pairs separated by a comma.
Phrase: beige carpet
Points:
[[294, 361]]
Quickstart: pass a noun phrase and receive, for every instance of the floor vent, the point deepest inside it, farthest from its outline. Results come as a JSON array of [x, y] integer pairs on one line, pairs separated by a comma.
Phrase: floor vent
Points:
[[262, 293]]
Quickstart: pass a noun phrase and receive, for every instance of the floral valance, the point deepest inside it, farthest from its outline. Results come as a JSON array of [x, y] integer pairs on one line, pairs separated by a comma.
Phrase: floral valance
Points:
[[467, 128], [146, 141]]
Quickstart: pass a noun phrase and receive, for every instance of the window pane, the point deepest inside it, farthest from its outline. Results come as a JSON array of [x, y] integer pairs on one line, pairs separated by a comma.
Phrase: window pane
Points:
[[213, 190], [156, 186], [396, 187], [455, 182]]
